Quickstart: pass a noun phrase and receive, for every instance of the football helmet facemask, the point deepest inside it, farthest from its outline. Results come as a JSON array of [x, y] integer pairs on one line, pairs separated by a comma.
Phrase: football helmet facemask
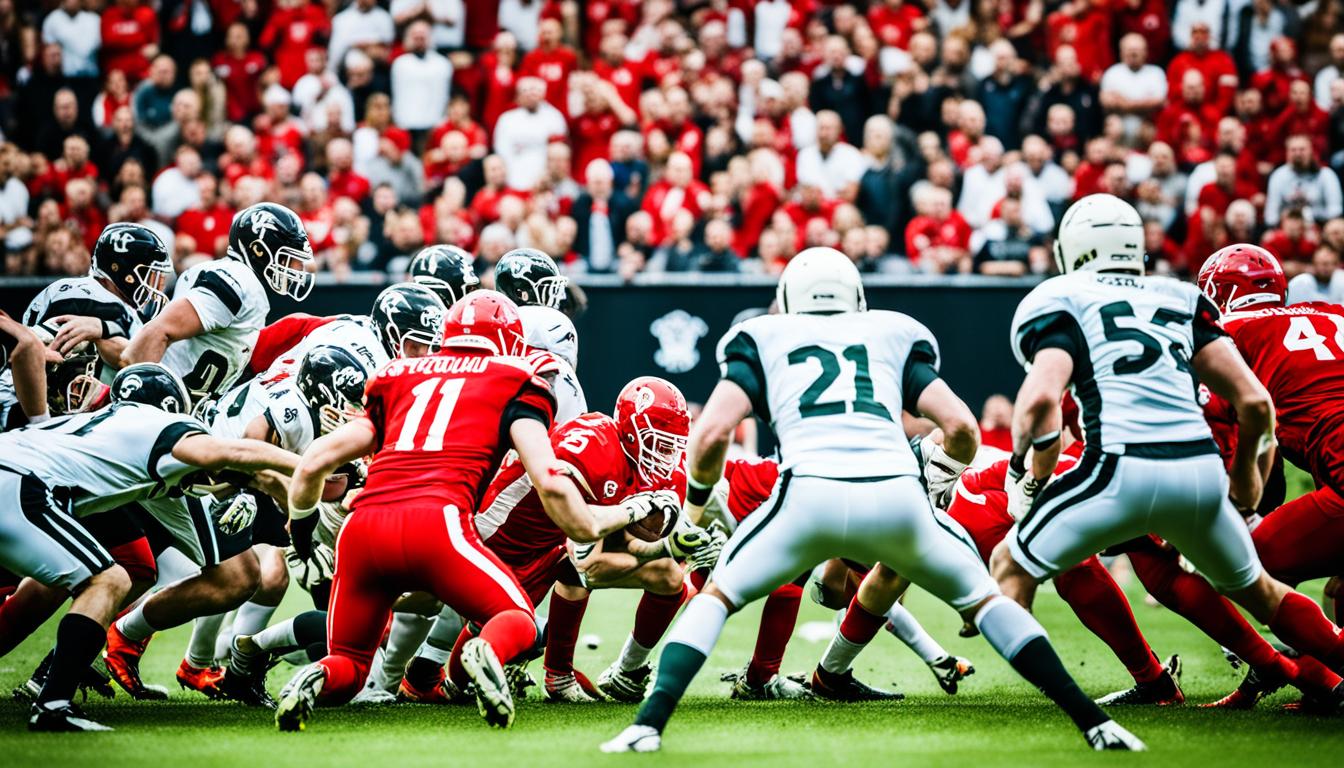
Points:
[[271, 239], [654, 424], [135, 262], [528, 276]]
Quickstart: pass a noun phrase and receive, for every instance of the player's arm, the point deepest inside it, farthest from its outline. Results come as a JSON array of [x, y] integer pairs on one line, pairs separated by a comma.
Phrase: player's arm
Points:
[[260, 429], [107, 338], [961, 432], [350, 441], [217, 453], [1037, 419], [711, 436], [28, 361], [1221, 367], [178, 321]]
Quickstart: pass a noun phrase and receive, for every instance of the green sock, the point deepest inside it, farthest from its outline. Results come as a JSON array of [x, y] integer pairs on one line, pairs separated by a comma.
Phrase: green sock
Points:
[[677, 666]]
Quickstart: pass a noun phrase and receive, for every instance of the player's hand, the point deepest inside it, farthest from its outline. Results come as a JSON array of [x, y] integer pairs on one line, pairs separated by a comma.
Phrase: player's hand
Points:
[[318, 567], [1022, 488], [940, 475], [707, 556], [74, 331], [234, 514], [687, 540], [1246, 488], [641, 505]]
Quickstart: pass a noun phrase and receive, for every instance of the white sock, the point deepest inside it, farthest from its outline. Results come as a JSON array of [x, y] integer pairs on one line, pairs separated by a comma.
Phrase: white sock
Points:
[[700, 623], [438, 646], [134, 626], [908, 630], [840, 654], [409, 630], [252, 618], [633, 655], [1007, 626], [173, 567], [201, 649], [279, 636]]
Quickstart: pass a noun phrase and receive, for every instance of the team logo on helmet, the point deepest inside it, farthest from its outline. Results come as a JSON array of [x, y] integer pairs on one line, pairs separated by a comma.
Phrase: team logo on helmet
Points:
[[347, 377], [678, 334], [263, 221], [519, 267], [644, 397], [431, 317], [129, 386], [120, 241]]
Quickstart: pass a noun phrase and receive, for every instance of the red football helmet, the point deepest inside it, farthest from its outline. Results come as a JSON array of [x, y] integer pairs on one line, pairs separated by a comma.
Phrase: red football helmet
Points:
[[485, 320], [1241, 276], [654, 423]]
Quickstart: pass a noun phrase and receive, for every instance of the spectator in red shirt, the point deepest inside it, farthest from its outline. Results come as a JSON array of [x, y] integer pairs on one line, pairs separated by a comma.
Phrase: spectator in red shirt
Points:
[[116, 94], [1149, 18], [1189, 124], [1218, 68], [207, 224], [81, 210], [293, 28], [241, 158], [72, 164], [894, 21], [1303, 117], [314, 211], [552, 61], [501, 78], [677, 130], [612, 66], [240, 69], [603, 114], [808, 212], [1293, 242], [677, 190], [597, 14], [459, 119], [1085, 25], [938, 240], [130, 31], [1275, 82], [278, 131], [1226, 187], [342, 181], [760, 201], [446, 159], [485, 204]]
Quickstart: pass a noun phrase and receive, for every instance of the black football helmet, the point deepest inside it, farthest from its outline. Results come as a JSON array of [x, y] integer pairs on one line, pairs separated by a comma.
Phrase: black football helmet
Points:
[[407, 311], [271, 239], [135, 261], [73, 385], [530, 277], [332, 381], [446, 270], [151, 384]]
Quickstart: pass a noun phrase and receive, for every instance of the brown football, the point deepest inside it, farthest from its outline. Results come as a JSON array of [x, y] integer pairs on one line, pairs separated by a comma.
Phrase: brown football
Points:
[[653, 527]]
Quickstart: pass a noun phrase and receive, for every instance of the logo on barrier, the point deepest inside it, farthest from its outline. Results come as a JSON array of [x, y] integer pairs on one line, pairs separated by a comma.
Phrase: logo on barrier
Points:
[[678, 334]]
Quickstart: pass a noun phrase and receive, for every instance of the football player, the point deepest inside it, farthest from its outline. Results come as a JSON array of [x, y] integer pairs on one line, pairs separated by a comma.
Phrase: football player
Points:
[[411, 530], [206, 333], [23, 357], [530, 278], [144, 444], [1128, 345], [446, 270], [849, 483]]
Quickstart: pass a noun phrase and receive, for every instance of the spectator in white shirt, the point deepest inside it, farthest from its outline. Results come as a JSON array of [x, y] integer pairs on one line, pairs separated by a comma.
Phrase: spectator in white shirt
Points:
[[802, 122], [362, 25], [1323, 282], [522, 133], [831, 165], [1054, 182], [175, 189], [1330, 73], [79, 33], [1133, 87], [523, 19], [421, 79], [1188, 12], [772, 16], [1303, 183], [320, 97], [448, 18]]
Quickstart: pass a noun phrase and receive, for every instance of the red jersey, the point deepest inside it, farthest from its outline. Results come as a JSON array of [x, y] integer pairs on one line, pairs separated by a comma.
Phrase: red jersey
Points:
[[430, 452], [512, 521], [1297, 352], [749, 485], [281, 336]]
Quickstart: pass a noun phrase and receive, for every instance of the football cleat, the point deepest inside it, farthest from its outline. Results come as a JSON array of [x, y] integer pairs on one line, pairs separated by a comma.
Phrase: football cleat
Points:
[[635, 738], [1163, 691], [247, 689], [123, 665], [1327, 703], [202, 680], [61, 717], [373, 696], [94, 680], [519, 679], [442, 692], [949, 671], [298, 698], [630, 686], [828, 685], [1258, 683], [776, 688], [573, 687], [1111, 736], [493, 698]]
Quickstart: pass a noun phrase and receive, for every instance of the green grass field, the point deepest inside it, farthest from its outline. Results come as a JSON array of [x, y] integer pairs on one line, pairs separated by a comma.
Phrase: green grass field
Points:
[[996, 719]]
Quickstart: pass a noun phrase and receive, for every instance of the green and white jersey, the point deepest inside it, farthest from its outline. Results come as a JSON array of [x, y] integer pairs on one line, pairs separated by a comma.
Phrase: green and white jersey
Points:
[[232, 306], [1131, 339], [833, 387]]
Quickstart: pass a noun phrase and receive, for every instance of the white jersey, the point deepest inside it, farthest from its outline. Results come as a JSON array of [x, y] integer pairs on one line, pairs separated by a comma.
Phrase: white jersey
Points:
[[280, 403], [569, 398], [104, 459], [1131, 339], [232, 305], [353, 333], [549, 329], [833, 387]]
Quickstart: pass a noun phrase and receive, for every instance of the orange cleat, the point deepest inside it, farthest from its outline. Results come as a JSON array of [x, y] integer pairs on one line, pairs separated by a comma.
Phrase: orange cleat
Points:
[[442, 692], [123, 665], [202, 680]]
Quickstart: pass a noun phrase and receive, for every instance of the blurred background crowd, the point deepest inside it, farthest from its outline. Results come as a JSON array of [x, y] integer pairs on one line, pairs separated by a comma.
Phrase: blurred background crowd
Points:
[[634, 136]]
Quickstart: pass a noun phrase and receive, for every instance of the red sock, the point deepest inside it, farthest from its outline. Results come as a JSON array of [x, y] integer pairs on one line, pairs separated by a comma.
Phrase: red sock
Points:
[[457, 675], [1311, 676], [24, 611], [562, 633], [1299, 622], [1194, 598], [510, 633], [778, 616], [860, 625], [345, 676], [1092, 594], [654, 615], [137, 557]]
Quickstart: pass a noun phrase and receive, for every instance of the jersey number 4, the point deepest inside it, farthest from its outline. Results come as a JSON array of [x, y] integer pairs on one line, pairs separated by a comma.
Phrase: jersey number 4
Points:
[[1302, 335], [445, 392], [863, 401]]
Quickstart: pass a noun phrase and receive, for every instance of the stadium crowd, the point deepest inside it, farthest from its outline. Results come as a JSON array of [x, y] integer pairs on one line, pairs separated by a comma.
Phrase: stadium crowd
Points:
[[628, 136]]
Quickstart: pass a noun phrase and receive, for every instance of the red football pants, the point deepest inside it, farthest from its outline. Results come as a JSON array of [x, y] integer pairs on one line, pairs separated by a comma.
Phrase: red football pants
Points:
[[1303, 539], [383, 552]]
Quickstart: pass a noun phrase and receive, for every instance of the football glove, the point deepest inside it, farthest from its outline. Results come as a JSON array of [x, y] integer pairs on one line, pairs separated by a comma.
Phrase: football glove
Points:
[[641, 505], [313, 570], [1022, 488], [940, 475], [234, 514], [687, 540], [707, 556]]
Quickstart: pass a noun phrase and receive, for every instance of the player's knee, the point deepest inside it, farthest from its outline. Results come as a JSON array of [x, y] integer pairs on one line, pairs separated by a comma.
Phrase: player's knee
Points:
[[114, 581], [663, 577], [713, 591]]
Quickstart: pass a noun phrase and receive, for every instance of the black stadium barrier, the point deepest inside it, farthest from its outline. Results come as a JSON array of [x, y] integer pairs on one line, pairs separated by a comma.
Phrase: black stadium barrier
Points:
[[669, 325]]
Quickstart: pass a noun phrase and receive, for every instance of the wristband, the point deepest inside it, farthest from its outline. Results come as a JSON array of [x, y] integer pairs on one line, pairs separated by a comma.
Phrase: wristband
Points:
[[697, 493], [297, 513], [1045, 441]]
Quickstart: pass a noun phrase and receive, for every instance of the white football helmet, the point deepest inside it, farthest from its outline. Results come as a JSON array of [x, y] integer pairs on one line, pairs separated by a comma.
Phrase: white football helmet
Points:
[[1100, 233], [551, 330], [820, 280]]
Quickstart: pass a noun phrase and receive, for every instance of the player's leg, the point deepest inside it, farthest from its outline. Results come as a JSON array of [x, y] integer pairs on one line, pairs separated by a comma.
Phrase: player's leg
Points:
[[761, 679], [833, 677], [1303, 539], [663, 583], [390, 670], [250, 656], [1101, 606]]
